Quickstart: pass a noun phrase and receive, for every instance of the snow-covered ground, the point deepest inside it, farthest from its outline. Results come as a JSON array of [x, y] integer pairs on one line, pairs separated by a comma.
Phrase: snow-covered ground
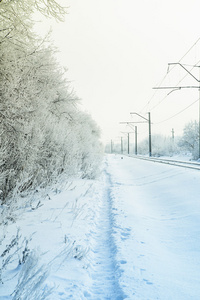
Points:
[[132, 234]]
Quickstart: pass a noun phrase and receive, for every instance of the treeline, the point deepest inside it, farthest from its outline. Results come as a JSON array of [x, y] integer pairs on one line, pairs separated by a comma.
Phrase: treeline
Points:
[[43, 133], [164, 145]]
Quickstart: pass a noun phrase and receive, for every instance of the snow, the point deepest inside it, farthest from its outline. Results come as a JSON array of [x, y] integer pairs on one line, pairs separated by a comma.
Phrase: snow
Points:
[[160, 205], [134, 233]]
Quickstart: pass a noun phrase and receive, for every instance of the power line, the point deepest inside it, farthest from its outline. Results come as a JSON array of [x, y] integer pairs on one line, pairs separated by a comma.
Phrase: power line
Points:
[[187, 71], [168, 71], [153, 94], [175, 86], [177, 113]]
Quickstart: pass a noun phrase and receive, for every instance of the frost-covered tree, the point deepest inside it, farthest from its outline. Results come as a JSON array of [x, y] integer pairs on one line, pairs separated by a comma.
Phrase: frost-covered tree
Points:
[[161, 145], [43, 132], [92, 149], [190, 138]]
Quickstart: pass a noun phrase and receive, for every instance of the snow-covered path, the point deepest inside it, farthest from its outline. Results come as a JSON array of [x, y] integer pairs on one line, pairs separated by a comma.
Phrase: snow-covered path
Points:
[[133, 234], [104, 273]]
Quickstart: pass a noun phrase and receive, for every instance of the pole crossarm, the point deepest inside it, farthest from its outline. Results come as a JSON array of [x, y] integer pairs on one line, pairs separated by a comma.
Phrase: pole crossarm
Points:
[[175, 87], [125, 122], [184, 87], [134, 113], [126, 132], [180, 87], [149, 122], [130, 123], [185, 70]]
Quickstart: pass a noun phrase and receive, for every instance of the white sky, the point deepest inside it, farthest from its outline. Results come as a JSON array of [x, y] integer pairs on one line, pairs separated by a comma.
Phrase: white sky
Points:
[[116, 51]]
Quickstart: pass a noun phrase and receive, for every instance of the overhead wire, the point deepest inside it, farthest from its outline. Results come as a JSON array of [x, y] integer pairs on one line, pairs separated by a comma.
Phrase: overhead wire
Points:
[[171, 91], [176, 85], [154, 93], [161, 82], [177, 113], [194, 66], [168, 71]]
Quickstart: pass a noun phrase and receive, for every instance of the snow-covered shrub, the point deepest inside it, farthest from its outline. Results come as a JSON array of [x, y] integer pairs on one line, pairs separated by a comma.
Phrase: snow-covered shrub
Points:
[[14, 252], [119, 147], [190, 139], [92, 149], [43, 132], [161, 146]]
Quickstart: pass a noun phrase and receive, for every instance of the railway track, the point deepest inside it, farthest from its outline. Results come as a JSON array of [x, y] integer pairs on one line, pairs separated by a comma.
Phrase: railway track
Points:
[[177, 163]]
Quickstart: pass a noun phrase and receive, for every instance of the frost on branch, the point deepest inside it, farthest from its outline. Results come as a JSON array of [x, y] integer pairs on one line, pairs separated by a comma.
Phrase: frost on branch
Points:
[[51, 8], [44, 135]]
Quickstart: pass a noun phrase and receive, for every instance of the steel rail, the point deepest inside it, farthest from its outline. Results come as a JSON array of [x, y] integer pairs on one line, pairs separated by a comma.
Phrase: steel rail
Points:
[[177, 163]]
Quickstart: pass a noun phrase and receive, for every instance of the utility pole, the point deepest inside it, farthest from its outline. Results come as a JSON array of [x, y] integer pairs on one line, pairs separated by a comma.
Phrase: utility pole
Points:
[[199, 111], [128, 143], [186, 87], [135, 140], [121, 145], [150, 153], [173, 134], [149, 122], [135, 131]]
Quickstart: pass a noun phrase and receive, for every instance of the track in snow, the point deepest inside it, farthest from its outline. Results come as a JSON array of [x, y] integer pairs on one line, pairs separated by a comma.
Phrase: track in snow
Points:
[[105, 272]]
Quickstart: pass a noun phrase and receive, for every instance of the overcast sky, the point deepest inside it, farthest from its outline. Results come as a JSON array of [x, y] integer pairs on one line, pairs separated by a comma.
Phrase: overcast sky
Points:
[[116, 51]]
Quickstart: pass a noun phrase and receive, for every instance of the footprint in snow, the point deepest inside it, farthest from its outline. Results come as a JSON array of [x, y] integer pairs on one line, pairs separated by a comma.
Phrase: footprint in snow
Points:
[[123, 262], [86, 294], [148, 282], [125, 234]]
